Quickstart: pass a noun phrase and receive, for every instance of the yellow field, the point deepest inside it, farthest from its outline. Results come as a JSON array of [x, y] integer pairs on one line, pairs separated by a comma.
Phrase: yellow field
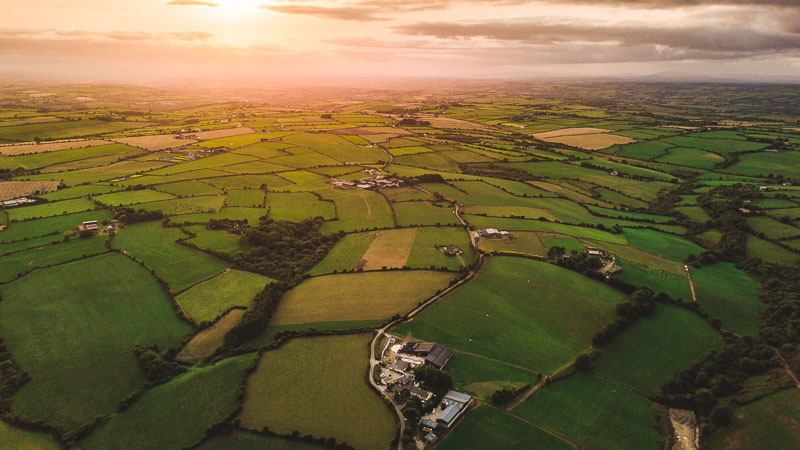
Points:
[[208, 340], [569, 132], [156, 141], [228, 132], [30, 147], [358, 296], [14, 189], [390, 249], [591, 141]]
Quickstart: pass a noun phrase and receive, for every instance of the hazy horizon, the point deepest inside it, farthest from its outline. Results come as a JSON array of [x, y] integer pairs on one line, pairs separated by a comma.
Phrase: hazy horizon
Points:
[[154, 41]]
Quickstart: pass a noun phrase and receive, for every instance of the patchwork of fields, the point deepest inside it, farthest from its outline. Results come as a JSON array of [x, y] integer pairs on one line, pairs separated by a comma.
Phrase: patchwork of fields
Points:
[[157, 281]]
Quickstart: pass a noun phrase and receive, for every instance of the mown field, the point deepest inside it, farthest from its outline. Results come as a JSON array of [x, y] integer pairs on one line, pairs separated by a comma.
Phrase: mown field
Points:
[[285, 393], [519, 311], [84, 366], [208, 299], [771, 422]]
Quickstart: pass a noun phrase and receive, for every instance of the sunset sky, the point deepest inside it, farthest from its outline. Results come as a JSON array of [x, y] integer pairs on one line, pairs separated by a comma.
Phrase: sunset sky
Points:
[[151, 40]]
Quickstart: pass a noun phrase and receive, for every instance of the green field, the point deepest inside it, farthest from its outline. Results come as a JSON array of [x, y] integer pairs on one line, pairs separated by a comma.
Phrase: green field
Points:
[[60, 130], [668, 246], [357, 210], [79, 191], [519, 311], [426, 251], [691, 157], [480, 377], [208, 299], [522, 242], [39, 160], [759, 248], [175, 414], [84, 365], [50, 226], [771, 422], [295, 207], [131, 197], [16, 438], [21, 262], [245, 440], [287, 392], [594, 412], [656, 347], [246, 197], [358, 296], [50, 209], [487, 427], [187, 188], [178, 265], [728, 294], [423, 213], [345, 255], [217, 240]]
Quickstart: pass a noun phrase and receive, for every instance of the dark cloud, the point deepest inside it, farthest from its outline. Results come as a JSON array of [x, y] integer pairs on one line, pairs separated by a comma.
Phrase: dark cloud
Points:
[[706, 38], [192, 3]]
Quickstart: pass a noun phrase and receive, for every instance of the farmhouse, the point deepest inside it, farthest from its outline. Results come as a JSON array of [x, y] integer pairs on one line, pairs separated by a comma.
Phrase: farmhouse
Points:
[[493, 233], [453, 406], [592, 251], [90, 225]]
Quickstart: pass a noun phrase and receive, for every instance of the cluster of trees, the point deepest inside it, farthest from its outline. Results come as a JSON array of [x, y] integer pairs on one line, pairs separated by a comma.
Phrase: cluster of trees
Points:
[[285, 250], [233, 226], [12, 379], [501, 397], [130, 215], [779, 290], [436, 380], [577, 262], [640, 303], [721, 373], [156, 367], [256, 319], [408, 121], [724, 215]]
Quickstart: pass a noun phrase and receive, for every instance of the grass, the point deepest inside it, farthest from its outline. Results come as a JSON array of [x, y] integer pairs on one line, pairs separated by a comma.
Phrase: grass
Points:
[[247, 197], [480, 222], [288, 391], [662, 244], [50, 209], [199, 398], [481, 377], [594, 412], [66, 129], [336, 147], [762, 164], [245, 440], [759, 248], [73, 328], [207, 300], [295, 207], [519, 311], [674, 284], [691, 157], [186, 205], [51, 225], [728, 294], [188, 188], [770, 422], [39, 160], [357, 210], [218, 240], [131, 197], [345, 255], [644, 150], [523, 242], [488, 427], [16, 438], [21, 262], [423, 213], [657, 346], [204, 343], [358, 296], [389, 249], [176, 264], [79, 191], [426, 251], [104, 173]]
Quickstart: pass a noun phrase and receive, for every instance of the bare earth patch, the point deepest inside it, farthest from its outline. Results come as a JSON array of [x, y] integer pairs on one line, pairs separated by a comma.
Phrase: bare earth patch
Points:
[[685, 424], [31, 147], [14, 189], [569, 132], [390, 249]]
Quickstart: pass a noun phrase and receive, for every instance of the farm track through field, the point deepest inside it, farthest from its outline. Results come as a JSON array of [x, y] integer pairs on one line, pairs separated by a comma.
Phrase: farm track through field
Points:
[[691, 284], [787, 367], [521, 399], [541, 427], [527, 369]]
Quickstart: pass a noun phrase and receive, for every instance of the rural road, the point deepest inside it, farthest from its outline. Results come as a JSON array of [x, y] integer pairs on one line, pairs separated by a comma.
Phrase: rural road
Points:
[[691, 285], [373, 362]]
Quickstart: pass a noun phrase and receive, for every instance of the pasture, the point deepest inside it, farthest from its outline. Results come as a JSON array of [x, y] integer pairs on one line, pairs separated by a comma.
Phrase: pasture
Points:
[[178, 265], [56, 225], [423, 213], [19, 263], [358, 296], [205, 301], [187, 188], [125, 198], [14, 189], [285, 393], [200, 398], [49, 209], [357, 210], [594, 412], [206, 342], [295, 207], [728, 294], [390, 249], [655, 347], [85, 365], [17, 438], [519, 311], [770, 422], [488, 427]]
